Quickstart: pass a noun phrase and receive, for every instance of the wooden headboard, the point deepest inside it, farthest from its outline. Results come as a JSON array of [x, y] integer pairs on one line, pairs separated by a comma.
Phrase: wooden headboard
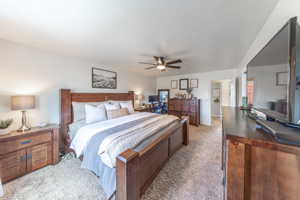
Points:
[[67, 97]]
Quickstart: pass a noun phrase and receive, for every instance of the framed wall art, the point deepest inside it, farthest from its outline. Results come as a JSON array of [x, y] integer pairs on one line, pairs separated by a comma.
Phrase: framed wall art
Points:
[[281, 78], [104, 79], [194, 83], [183, 84], [174, 84]]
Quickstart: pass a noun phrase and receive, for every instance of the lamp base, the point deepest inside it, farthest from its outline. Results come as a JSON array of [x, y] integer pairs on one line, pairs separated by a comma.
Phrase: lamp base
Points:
[[24, 127]]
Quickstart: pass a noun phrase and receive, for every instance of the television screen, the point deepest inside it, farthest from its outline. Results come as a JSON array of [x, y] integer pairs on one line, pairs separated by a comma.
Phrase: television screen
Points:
[[271, 77], [153, 98]]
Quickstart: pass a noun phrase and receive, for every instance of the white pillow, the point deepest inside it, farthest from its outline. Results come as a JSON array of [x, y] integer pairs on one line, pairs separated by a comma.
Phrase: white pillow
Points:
[[79, 109], [127, 105], [109, 106], [95, 113]]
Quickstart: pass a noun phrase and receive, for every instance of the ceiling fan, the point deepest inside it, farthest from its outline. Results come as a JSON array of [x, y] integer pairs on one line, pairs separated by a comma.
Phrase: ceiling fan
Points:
[[161, 64]]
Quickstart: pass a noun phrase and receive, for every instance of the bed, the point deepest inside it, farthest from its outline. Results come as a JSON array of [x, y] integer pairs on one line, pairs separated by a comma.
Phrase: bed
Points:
[[134, 168]]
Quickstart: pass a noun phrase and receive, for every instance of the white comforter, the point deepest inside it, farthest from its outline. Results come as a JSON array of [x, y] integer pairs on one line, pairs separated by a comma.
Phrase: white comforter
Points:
[[84, 134]]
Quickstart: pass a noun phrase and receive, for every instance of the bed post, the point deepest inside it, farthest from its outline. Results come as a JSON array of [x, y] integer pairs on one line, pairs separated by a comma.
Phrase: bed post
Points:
[[186, 130], [128, 186], [131, 96], [65, 116]]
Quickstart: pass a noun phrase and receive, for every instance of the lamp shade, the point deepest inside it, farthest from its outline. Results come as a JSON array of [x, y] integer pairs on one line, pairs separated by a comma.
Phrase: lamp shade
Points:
[[22, 102]]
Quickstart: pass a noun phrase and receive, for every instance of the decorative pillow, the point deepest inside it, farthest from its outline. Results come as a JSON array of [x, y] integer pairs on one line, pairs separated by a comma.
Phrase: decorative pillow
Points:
[[114, 102], [112, 114], [128, 105], [110, 106], [95, 113], [79, 109]]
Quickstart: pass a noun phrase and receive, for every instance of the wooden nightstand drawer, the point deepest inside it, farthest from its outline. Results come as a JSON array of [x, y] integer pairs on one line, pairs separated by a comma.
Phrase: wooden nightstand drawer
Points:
[[14, 145]]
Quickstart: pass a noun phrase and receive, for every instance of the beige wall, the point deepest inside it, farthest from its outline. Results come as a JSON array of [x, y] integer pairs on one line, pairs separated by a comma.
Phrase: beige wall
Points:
[[25, 70]]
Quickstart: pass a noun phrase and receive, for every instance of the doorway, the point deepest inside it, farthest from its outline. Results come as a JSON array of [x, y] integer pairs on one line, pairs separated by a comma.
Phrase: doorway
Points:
[[221, 95], [163, 99]]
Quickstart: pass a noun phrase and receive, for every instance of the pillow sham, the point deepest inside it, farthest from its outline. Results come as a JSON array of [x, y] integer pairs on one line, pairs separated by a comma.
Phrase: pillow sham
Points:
[[79, 109], [128, 105], [112, 114], [110, 106], [95, 113]]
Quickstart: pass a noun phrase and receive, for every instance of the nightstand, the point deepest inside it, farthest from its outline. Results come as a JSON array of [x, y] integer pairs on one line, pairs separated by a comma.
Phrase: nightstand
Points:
[[24, 152]]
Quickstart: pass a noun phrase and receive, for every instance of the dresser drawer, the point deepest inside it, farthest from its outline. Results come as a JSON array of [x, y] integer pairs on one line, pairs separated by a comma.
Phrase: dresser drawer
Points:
[[14, 145]]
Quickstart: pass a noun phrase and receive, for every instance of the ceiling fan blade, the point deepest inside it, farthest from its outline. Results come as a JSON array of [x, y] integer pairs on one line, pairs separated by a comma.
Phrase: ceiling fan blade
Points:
[[146, 63], [156, 57], [174, 61], [173, 67], [147, 68]]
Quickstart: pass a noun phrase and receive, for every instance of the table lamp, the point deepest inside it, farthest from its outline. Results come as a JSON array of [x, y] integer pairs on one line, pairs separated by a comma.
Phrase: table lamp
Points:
[[23, 103]]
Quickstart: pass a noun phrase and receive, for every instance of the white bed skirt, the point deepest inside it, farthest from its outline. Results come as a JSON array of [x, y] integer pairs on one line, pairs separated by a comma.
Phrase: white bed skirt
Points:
[[1, 189]]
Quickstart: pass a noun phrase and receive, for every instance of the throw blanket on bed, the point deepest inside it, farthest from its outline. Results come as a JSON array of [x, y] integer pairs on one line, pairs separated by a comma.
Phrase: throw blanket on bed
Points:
[[84, 134], [118, 142]]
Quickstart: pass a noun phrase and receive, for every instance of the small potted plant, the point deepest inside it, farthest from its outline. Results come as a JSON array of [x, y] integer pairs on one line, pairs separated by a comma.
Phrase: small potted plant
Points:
[[4, 124]]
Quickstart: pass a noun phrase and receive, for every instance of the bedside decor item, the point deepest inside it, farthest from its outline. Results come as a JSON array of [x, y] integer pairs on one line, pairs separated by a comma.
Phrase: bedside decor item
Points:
[[4, 124], [104, 79], [23, 103], [183, 84], [174, 84], [194, 83]]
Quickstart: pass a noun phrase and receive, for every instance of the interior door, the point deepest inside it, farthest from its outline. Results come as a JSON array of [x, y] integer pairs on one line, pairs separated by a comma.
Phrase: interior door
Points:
[[163, 97]]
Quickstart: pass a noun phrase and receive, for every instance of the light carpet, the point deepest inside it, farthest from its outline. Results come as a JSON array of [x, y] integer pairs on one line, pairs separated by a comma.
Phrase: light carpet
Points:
[[193, 173]]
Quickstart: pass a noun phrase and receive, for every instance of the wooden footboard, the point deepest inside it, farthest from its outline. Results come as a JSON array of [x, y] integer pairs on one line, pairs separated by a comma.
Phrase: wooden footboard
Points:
[[137, 170]]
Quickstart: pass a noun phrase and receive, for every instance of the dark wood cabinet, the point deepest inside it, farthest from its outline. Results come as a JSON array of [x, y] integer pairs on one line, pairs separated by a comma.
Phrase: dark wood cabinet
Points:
[[186, 107], [256, 167], [21, 153]]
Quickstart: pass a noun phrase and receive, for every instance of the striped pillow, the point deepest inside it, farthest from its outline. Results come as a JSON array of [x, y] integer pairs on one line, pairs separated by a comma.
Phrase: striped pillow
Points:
[[112, 114]]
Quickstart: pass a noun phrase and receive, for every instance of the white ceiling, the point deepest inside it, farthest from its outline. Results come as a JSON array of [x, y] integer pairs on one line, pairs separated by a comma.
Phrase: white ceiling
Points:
[[207, 35]]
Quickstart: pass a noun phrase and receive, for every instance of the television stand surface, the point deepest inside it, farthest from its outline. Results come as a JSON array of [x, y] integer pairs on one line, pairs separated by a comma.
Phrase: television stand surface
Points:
[[280, 132]]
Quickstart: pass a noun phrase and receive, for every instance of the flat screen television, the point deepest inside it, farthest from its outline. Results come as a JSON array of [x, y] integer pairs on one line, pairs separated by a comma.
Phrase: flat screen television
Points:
[[273, 76], [153, 98]]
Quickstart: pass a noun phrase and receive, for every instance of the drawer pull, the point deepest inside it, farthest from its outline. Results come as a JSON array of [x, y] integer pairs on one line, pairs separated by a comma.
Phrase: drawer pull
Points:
[[23, 158], [26, 142]]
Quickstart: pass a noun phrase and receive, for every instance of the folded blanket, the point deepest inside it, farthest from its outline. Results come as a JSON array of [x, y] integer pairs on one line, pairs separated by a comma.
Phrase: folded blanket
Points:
[[117, 143]]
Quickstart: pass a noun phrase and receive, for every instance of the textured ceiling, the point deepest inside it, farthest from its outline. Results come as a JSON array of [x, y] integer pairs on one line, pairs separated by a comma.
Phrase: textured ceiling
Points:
[[206, 35]]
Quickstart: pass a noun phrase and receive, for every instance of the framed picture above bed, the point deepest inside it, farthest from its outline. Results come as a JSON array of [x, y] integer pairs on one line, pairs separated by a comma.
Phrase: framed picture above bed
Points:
[[104, 79], [183, 84]]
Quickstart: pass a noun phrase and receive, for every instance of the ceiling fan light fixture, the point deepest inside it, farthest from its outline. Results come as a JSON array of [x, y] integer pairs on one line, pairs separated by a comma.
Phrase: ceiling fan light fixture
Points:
[[161, 67]]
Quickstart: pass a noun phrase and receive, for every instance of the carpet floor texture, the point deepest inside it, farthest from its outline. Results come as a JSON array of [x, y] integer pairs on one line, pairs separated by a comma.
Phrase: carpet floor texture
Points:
[[193, 173]]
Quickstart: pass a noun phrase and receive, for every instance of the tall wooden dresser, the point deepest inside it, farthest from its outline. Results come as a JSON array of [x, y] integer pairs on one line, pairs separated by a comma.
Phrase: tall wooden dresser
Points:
[[186, 107], [24, 152]]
